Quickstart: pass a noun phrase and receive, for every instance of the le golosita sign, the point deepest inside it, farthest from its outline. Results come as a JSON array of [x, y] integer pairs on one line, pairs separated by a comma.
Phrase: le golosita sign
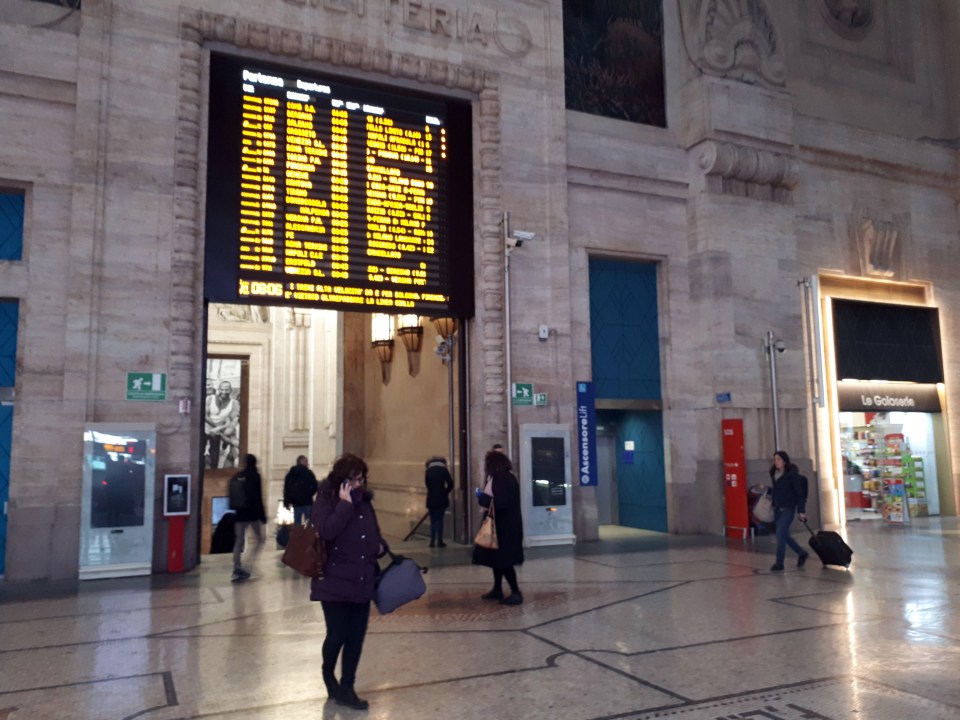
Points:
[[887, 397]]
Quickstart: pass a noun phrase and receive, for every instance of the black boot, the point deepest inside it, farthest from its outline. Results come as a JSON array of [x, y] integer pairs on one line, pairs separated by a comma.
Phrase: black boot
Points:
[[515, 598], [330, 680], [347, 697], [495, 594]]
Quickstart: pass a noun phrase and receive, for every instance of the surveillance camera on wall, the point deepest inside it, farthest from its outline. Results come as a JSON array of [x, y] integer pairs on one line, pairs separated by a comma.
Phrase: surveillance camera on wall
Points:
[[780, 345], [518, 237]]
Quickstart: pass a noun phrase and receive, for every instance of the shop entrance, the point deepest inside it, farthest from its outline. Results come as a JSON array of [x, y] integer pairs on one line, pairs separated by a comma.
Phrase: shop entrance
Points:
[[890, 465], [890, 444]]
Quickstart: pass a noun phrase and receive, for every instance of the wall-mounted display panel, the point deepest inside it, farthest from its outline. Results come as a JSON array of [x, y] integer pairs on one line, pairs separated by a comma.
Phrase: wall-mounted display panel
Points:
[[336, 194]]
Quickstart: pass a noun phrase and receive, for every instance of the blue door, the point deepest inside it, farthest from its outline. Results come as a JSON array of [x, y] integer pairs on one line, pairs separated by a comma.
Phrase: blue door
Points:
[[625, 356], [11, 248], [8, 367], [641, 477]]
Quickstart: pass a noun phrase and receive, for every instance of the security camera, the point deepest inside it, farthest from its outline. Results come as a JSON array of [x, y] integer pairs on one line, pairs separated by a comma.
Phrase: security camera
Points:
[[780, 345], [518, 237]]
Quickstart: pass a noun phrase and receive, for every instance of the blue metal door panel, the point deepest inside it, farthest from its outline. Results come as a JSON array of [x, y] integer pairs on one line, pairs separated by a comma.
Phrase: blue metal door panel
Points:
[[8, 368], [641, 484], [624, 329], [11, 225], [6, 440]]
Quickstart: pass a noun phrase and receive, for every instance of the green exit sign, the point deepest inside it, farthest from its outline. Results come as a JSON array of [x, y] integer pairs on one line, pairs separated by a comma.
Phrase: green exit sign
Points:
[[147, 386], [522, 394]]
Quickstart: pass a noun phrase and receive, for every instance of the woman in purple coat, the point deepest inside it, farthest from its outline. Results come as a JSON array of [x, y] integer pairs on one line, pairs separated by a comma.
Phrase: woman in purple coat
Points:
[[344, 518]]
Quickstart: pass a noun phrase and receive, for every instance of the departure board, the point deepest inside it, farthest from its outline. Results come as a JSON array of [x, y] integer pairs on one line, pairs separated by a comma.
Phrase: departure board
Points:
[[334, 194]]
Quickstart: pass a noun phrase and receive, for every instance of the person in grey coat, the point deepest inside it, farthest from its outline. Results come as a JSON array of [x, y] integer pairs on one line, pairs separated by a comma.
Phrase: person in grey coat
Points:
[[502, 493], [344, 518], [439, 484]]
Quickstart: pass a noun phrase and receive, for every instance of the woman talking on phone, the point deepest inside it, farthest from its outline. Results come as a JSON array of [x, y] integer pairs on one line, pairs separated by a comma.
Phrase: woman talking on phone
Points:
[[344, 518]]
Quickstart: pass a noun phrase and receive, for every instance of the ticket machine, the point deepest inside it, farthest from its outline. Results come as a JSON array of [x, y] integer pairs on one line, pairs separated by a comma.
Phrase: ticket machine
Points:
[[116, 517], [545, 473]]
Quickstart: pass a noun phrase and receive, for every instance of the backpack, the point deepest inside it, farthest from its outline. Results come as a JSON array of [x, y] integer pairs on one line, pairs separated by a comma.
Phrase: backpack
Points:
[[237, 491]]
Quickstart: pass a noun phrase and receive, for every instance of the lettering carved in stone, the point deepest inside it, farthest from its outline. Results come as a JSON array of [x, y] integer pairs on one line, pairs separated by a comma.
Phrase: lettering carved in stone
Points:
[[737, 39]]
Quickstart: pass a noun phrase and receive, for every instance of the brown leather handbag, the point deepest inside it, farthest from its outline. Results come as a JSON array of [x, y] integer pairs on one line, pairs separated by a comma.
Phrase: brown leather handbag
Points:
[[487, 534], [305, 552]]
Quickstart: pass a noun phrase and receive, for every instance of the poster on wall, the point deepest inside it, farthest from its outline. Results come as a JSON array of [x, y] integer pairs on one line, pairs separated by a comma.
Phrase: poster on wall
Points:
[[222, 414]]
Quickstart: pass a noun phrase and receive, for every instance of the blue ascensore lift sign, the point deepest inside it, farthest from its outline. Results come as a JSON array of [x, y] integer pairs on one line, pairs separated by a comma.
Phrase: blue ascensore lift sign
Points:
[[586, 435]]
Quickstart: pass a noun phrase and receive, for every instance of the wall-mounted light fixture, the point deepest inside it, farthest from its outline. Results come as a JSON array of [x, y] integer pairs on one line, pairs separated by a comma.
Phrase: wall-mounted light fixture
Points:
[[411, 332], [381, 340], [446, 328]]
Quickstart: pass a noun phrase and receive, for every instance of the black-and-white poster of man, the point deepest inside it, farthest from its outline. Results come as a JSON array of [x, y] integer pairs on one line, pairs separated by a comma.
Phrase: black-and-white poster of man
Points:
[[222, 414]]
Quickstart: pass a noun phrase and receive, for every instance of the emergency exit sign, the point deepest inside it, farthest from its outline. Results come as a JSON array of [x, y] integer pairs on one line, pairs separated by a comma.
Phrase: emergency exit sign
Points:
[[523, 393], [147, 386]]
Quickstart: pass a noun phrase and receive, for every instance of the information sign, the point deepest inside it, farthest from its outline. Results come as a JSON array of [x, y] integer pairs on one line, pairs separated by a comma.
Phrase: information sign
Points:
[[176, 495], [586, 434], [335, 194]]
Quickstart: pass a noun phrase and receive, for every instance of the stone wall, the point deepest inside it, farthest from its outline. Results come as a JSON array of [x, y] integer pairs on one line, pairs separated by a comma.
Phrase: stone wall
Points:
[[778, 142]]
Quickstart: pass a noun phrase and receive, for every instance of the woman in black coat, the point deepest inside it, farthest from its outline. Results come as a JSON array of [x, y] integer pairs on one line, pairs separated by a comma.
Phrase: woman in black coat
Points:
[[503, 493], [789, 500]]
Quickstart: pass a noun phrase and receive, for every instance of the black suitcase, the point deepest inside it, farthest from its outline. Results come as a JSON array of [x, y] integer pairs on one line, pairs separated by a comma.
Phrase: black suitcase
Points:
[[830, 547]]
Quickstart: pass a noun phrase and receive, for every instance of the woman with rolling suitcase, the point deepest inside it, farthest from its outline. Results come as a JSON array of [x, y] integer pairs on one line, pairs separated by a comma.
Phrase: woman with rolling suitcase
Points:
[[789, 501]]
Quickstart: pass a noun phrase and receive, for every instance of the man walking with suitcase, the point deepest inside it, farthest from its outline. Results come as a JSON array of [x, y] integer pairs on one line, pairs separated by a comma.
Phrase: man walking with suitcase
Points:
[[789, 501]]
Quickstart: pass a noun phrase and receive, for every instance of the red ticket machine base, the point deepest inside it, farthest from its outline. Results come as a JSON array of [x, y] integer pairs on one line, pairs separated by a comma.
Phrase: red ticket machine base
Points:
[[175, 544]]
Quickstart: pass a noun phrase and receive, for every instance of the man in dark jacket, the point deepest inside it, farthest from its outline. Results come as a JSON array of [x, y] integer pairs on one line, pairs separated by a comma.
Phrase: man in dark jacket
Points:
[[439, 484], [299, 487], [246, 495]]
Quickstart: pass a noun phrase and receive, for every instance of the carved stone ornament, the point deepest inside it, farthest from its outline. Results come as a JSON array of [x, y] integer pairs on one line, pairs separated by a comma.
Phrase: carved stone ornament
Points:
[[878, 244], [850, 19], [746, 164], [737, 39]]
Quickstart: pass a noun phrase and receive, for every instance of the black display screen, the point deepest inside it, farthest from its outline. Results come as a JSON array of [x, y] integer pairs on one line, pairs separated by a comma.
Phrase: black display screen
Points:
[[879, 341], [335, 194]]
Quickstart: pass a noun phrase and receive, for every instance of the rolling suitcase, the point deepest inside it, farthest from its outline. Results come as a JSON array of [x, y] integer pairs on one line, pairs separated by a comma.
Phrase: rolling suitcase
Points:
[[830, 547]]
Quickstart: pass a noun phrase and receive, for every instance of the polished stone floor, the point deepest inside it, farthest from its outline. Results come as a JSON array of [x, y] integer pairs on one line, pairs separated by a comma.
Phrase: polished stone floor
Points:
[[635, 626]]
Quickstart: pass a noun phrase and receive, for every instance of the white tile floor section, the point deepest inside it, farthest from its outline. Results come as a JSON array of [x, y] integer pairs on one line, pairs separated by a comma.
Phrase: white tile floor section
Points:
[[637, 626]]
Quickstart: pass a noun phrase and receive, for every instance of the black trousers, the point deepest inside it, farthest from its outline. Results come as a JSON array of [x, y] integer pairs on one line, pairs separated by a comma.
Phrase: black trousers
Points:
[[346, 628]]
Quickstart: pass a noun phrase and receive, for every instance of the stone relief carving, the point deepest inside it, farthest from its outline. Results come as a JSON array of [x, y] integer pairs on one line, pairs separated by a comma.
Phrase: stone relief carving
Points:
[[744, 170], [737, 39], [878, 244], [851, 19], [243, 313]]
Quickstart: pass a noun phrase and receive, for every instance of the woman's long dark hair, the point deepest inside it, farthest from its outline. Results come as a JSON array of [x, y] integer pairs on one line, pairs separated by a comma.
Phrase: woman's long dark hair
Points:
[[496, 461], [786, 462]]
